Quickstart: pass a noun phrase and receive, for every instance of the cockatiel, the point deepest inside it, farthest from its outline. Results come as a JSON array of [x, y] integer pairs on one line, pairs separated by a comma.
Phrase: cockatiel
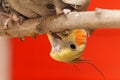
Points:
[[68, 46]]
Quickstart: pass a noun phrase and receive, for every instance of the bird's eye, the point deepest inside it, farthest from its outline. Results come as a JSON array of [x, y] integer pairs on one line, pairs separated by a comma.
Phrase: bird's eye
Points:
[[73, 46]]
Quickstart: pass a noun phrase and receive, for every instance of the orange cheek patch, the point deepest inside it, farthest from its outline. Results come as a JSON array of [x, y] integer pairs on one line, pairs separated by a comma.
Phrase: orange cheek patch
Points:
[[80, 37]]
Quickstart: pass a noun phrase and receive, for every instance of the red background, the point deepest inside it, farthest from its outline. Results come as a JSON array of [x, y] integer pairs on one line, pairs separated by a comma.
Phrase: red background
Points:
[[31, 60]]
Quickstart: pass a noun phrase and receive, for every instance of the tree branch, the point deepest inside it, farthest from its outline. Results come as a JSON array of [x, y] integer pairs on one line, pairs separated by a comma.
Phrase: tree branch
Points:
[[100, 18]]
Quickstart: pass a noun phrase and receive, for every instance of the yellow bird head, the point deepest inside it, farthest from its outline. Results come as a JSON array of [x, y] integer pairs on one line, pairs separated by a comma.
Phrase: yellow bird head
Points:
[[67, 46]]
